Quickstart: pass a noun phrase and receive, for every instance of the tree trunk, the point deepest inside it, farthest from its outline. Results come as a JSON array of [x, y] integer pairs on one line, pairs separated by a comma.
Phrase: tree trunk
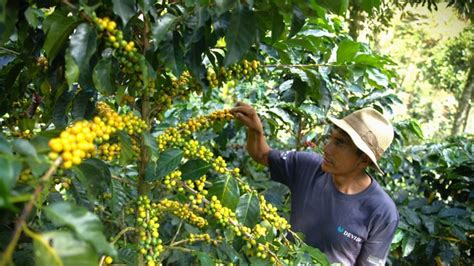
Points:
[[465, 101], [355, 21]]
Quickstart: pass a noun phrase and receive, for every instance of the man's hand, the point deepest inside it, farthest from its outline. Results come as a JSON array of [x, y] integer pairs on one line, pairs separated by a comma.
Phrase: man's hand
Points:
[[248, 116], [256, 144]]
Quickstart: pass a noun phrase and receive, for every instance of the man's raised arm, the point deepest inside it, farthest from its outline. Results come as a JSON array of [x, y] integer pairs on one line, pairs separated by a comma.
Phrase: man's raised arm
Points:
[[257, 146]]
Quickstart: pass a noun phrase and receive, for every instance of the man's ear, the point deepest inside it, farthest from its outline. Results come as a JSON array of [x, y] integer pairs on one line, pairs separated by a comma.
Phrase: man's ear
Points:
[[365, 161]]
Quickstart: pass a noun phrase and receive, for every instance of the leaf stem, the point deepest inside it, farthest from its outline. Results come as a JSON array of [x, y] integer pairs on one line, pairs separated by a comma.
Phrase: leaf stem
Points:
[[9, 51], [177, 232], [125, 230]]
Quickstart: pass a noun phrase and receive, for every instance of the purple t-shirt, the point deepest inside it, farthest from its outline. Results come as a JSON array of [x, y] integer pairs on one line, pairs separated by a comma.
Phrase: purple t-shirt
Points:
[[350, 229]]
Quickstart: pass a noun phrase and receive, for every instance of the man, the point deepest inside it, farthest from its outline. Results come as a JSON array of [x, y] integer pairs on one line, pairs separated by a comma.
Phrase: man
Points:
[[340, 208]]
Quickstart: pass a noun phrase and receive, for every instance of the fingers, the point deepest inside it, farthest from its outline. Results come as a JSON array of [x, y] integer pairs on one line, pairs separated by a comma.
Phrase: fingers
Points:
[[243, 108]]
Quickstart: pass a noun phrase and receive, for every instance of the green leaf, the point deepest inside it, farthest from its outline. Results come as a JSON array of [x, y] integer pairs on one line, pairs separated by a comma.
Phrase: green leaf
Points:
[[429, 223], [33, 15], [70, 250], [172, 54], [412, 217], [398, 236], [119, 197], [102, 76], [162, 27], [416, 128], [450, 212], [150, 144], [145, 5], [168, 161], [4, 145], [369, 5], [297, 21], [338, 7], [94, 176], [226, 189], [248, 210], [300, 88], [278, 24], [58, 26], [346, 50], [85, 224], [24, 147], [205, 259], [61, 107], [408, 245], [125, 9], [194, 169], [316, 254], [240, 35], [72, 70], [10, 169], [370, 60], [377, 76], [126, 151], [83, 104], [83, 45]]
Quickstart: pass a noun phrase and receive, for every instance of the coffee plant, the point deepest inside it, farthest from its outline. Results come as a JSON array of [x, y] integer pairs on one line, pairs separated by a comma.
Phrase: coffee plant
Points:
[[117, 143]]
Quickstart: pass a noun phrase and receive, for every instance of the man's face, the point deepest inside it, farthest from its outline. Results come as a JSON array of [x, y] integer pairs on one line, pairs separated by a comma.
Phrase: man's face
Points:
[[341, 156]]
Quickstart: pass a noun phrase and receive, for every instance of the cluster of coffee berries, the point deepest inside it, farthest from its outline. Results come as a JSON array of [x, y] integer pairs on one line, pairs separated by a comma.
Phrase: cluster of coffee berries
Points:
[[129, 122], [77, 142], [172, 179], [219, 165], [42, 62], [125, 51], [192, 149], [222, 214], [108, 152], [106, 196], [176, 136], [180, 88], [62, 182], [26, 176], [150, 245], [25, 134], [245, 70], [204, 238], [185, 212], [270, 214]]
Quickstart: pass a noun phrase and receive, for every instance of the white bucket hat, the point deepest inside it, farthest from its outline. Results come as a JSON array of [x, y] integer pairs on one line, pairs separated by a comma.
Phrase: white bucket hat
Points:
[[370, 131]]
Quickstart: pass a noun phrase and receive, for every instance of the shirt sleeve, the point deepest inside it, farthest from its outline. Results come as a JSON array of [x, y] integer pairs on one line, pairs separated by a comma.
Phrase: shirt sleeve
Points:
[[292, 167], [375, 249], [282, 166]]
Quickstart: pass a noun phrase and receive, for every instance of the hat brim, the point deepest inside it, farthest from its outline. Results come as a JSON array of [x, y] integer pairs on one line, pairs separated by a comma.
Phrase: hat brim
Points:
[[360, 144]]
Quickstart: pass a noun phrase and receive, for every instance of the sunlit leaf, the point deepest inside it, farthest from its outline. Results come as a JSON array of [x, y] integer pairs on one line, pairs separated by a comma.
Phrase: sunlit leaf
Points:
[[94, 175], [226, 189], [194, 169], [248, 210], [66, 250], [167, 162], [58, 26], [125, 9], [85, 224], [240, 34]]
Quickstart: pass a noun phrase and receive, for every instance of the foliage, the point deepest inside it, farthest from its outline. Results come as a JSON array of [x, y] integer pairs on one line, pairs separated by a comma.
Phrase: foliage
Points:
[[91, 141], [116, 143], [430, 185], [449, 64]]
